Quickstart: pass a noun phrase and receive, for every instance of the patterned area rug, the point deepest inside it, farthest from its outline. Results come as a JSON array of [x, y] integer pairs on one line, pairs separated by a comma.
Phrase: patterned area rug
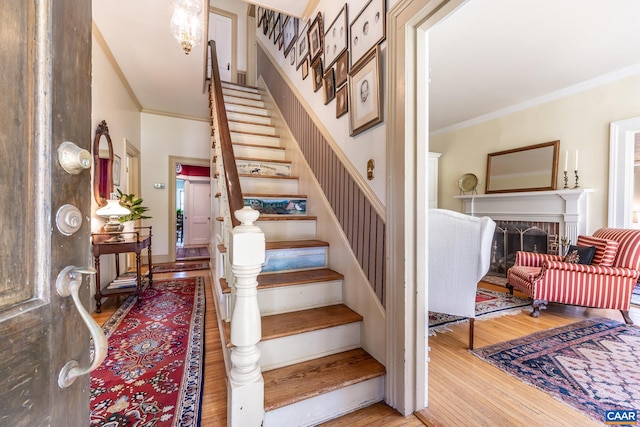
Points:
[[591, 365], [494, 280], [180, 266], [152, 375], [196, 252], [489, 304], [635, 297]]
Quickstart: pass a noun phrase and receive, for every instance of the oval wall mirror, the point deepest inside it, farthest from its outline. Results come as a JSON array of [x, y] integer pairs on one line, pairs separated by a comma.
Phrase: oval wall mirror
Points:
[[103, 164]]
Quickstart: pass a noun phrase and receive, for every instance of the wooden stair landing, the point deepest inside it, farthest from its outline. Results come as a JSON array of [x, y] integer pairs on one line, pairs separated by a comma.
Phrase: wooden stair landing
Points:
[[291, 384], [290, 278]]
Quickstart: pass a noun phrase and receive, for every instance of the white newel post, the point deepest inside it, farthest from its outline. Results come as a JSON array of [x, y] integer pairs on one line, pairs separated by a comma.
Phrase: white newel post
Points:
[[246, 385]]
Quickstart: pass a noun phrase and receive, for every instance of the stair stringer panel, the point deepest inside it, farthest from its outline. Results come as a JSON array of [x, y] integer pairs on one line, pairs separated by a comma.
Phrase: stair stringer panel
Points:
[[357, 292]]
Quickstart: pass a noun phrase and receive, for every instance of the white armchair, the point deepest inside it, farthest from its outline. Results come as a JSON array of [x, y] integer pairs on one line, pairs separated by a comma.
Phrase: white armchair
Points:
[[459, 253]]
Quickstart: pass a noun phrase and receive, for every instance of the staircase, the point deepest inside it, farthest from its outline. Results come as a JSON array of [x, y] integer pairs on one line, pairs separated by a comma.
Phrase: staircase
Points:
[[313, 367]]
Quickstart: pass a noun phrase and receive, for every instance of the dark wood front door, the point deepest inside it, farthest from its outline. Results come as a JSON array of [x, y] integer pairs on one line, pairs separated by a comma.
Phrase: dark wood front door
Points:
[[45, 99]]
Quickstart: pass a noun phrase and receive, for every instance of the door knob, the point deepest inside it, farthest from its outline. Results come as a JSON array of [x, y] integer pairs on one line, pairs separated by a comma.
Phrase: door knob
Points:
[[228, 66], [72, 158], [68, 283]]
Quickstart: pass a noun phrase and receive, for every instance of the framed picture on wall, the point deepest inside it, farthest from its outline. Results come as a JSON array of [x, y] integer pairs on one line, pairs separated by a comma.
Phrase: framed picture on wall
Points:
[[305, 69], [365, 91], [315, 34], [116, 169], [277, 29], [316, 74], [290, 33], [328, 86], [335, 38], [342, 68], [367, 29], [259, 16], [342, 105], [302, 46]]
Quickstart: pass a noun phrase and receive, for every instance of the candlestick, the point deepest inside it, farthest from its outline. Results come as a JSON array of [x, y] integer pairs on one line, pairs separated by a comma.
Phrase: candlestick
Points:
[[566, 179], [576, 172]]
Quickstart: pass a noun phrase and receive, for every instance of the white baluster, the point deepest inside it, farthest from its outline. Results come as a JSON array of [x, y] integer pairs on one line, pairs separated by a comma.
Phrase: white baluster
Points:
[[246, 385]]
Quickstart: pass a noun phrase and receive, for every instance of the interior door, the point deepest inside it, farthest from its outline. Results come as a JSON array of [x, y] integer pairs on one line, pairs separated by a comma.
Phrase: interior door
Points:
[[221, 31], [45, 50], [198, 212]]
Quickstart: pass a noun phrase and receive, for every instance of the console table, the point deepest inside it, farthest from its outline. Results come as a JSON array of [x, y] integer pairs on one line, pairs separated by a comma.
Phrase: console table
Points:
[[129, 242]]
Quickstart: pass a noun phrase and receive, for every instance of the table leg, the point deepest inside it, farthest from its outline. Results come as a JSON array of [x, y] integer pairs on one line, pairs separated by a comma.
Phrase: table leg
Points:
[[98, 295], [139, 280], [150, 266]]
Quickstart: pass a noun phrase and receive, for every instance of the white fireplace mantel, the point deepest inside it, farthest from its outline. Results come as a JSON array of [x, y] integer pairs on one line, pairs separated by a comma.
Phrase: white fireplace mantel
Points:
[[566, 207]]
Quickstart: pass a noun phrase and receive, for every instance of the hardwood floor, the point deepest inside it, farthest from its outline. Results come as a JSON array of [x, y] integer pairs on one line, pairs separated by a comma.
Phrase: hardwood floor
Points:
[[463, 390]]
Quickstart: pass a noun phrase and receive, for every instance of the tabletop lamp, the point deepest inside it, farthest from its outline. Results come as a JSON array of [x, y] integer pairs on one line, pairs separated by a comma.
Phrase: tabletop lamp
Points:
[[113, 210]]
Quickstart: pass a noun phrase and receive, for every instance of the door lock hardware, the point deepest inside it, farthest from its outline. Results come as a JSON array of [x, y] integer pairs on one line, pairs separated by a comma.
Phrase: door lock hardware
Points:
[[72, 158]]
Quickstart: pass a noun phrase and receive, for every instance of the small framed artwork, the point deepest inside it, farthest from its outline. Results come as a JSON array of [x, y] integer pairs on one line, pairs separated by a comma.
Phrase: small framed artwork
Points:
[[290, 31], [365, 91], [272, 23], [367, 30], [342, 105], [316, 34], [116, 169], [342, 68], [328, 86], [305, 69], [292, 55], [259, 15], [316, 74], [277, 31], [335, 38], [265, 22], [302, 46], [280, 41]]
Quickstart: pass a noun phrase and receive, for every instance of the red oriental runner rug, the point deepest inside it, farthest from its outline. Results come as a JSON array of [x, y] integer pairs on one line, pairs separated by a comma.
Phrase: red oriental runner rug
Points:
[[173, 267], [153, 372]]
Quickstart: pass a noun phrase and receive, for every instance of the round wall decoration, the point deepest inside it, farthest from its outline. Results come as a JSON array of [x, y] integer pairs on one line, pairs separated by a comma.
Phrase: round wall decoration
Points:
[[467, 183]]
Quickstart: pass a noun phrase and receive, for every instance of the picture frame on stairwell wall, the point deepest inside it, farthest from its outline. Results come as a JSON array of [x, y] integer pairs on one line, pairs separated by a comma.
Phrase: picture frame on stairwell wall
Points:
[[365, 93], [316, 74], [277, 29], [272, 24], [342, 104], [335, 38], [367, 30], [316, 36], [302, 46], [305, 69], [259, 16], [342, 68], [290, 34], [328, 86]]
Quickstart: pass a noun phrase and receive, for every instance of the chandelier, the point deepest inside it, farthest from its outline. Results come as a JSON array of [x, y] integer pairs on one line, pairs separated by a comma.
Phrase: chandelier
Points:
[[185, 23]]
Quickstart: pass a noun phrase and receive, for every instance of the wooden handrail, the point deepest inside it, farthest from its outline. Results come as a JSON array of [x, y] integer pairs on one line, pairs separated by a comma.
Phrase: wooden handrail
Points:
[[234, 192]]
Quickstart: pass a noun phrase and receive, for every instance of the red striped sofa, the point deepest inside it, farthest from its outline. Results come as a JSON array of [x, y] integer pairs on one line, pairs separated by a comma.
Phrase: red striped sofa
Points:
[[607, 282]]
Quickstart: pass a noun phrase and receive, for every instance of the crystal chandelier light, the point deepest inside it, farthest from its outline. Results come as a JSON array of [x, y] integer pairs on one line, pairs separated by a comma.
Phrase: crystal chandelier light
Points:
[[185, 23]]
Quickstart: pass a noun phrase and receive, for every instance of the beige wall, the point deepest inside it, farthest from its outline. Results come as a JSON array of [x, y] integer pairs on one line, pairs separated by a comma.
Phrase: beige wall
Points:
[[580, 121]]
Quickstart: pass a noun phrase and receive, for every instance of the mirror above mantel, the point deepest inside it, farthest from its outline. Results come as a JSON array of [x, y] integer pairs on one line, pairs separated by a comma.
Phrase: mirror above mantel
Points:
[[103, 164], [530, 168]]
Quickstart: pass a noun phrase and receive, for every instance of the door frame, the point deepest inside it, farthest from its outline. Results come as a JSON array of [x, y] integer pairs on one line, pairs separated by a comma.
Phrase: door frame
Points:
[[173, 162], [234, 39], [408, 22], [621, 170]]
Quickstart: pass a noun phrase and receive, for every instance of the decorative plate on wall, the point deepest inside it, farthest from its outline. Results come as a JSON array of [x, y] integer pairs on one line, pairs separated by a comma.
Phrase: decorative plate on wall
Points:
[[468, 183]]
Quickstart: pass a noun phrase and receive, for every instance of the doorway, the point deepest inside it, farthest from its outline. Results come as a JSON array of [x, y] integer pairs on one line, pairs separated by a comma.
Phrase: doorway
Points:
[[189, 192], [221, 24]]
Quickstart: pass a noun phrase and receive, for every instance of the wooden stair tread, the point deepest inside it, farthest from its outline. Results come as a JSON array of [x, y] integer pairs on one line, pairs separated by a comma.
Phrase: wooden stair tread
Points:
[[274, 195], [290, 278], [244, 122], [285, 244], [246, 132], [286, 217], [240, 87], [259, 116], [291, 384], [299, 322], [241, 104]]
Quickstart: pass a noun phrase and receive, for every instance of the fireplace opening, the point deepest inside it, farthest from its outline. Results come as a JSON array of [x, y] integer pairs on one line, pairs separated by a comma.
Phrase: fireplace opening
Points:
[[511, 236]]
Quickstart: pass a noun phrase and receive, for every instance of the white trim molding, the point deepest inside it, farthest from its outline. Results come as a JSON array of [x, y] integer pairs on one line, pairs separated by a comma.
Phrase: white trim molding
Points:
[[621, 163]]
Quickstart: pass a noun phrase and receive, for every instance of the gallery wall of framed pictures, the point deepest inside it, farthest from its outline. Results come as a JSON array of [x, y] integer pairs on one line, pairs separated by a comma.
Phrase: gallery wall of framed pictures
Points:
[[341, 52]]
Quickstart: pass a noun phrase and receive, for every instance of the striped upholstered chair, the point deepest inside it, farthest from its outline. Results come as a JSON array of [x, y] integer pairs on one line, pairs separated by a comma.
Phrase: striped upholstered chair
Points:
[[607, 282]]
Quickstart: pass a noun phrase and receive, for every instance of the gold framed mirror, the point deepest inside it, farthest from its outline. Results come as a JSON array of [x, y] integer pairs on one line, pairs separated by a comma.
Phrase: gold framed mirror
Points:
[[102, 164], [530, 168]]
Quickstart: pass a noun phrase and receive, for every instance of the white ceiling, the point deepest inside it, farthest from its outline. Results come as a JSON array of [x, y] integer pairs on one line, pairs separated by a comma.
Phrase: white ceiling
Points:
[[489, 57]]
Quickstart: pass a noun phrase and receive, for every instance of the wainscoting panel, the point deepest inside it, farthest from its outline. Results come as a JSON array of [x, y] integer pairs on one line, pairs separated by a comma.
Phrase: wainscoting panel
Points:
[[362, 225]]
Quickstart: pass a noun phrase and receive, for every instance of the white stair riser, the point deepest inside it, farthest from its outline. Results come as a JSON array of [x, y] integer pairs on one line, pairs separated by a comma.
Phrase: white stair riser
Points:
[[243, 101], [289, 259], [313, 411], [268, 185], [298, 348], [299, 297], [266, 153], [242, 117], [263, 168], [290, 230], [247, 138], [252, 128], [241, 94], [227, 85], [246, 109]]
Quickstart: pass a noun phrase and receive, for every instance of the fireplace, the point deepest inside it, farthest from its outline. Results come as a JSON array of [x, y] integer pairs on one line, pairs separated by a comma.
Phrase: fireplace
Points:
[[534, 221], [512, 236]]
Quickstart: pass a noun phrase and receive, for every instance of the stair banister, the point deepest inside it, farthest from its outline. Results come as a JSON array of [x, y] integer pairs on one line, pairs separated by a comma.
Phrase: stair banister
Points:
[[246, 385]]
